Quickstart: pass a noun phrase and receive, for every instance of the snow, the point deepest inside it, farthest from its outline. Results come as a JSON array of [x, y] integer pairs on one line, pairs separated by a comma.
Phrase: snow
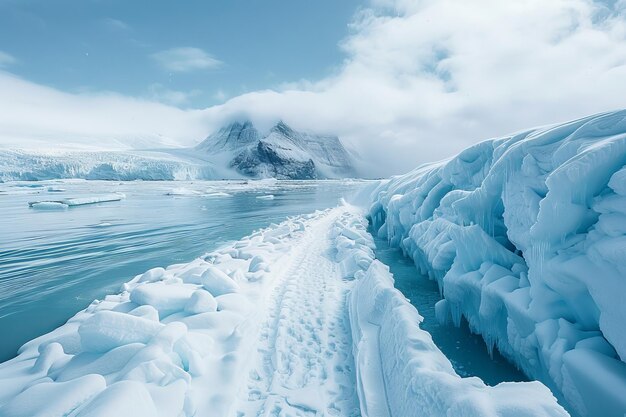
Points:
[[268, 325], [48, 205], [77, 201], [399, 370], [525, 237], [235, 151], [182, 191], [282, 152]]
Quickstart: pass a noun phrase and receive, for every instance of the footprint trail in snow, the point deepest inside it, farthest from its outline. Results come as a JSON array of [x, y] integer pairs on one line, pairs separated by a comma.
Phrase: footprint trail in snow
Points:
[[303, 364]]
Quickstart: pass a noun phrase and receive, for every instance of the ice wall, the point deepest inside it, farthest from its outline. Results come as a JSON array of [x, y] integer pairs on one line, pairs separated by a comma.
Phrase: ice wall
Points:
[[400, 371], [526, 236]]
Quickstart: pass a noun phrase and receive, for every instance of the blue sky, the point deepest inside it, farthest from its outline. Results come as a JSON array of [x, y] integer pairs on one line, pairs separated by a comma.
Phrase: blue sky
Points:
[[95, 45], [401, 81]]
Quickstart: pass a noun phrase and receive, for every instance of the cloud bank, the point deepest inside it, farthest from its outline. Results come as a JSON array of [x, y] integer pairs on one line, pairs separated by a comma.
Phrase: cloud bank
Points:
[[34, 116], [423, 79], [420, 81]]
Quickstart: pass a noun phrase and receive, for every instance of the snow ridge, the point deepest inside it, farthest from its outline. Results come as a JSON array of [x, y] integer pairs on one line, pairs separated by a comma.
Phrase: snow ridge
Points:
[[525, 236]]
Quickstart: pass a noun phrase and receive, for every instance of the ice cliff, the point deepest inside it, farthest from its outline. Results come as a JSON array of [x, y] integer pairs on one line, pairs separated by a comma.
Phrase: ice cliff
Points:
[[526, 237]]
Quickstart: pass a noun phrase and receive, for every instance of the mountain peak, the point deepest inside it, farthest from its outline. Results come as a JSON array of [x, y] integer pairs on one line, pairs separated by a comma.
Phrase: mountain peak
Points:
[[230, 137], [282, 153], [283, 128]]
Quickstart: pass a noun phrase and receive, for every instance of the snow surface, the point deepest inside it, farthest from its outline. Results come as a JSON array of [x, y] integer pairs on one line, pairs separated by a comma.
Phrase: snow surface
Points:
[[259, 327], [526, 237]]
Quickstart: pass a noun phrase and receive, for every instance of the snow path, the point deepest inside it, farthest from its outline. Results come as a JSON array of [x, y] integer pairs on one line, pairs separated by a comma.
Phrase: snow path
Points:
[[266, 327], [303, 364]]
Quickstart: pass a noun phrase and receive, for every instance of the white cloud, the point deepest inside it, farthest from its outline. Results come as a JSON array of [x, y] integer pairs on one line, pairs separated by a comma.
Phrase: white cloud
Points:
[[423, 79], [6, 59], [160, 93], [116, 24], [185, 59], [34, 116]]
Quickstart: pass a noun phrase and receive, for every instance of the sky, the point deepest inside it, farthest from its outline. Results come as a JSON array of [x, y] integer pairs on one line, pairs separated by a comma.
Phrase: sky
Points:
[[402, 82]]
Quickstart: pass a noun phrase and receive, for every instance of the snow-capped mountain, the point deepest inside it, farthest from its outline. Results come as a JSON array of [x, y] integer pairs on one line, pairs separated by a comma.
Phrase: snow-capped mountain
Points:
[[237, 150], [281, 153]]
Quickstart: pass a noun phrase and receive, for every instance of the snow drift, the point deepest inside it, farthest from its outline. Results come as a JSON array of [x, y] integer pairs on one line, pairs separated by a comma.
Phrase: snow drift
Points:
[[526, 237]]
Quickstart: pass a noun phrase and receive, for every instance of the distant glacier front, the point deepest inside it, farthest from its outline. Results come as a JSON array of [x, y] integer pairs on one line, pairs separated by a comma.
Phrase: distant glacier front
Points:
[[238, 150]]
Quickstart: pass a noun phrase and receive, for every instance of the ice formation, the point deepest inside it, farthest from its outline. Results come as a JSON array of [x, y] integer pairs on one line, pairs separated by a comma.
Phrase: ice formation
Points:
[[526, 236], [78, 201], [235, 151], [259, 327]]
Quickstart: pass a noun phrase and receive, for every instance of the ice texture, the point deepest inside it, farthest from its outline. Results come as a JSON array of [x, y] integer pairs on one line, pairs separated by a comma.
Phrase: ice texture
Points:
[[526, 237], [267, 324], [76, 201]]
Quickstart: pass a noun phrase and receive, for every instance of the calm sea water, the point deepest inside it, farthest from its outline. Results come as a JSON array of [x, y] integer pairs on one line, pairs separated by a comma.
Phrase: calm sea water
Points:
[[53, 263]]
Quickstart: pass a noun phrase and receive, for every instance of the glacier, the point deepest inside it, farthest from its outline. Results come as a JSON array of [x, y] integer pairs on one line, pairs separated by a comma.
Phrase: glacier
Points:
[[526, 237], [238, 150]]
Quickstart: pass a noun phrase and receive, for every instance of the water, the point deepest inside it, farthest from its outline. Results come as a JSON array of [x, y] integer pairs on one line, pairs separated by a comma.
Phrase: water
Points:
[[54, 263], [467, 352]]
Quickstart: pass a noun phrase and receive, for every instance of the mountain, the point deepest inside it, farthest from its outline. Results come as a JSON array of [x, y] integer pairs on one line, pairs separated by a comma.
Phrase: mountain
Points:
[[237, 150], [282, 153]]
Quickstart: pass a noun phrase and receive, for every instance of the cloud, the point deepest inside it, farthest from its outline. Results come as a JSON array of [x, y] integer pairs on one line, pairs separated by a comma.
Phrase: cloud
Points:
[[158, 92], [116, 24], [6, 59], [423, 79], [420, 81], [185, 59], [34, 116]]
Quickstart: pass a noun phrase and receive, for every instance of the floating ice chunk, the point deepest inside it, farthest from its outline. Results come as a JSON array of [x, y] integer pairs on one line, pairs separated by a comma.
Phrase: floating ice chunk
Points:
[[56, 190], [80, 201], [217, 194], [181, 191], [103, 224], [265, 197], [48, 205], [217, 282]]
